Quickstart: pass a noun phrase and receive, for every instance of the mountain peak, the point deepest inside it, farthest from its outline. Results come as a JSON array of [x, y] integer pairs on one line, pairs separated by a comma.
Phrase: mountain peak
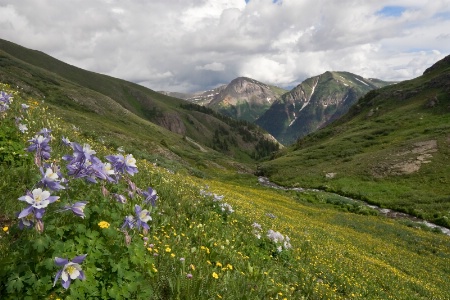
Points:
[[245, 98]]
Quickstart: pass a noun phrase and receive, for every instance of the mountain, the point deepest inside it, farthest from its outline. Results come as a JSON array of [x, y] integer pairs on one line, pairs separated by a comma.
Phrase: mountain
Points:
[[314, 103], [242, 99], [390, 149], [245, 99], [173, 128]]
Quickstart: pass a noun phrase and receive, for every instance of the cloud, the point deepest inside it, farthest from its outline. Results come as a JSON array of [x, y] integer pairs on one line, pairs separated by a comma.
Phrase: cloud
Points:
[[215, 66], [190, 45]]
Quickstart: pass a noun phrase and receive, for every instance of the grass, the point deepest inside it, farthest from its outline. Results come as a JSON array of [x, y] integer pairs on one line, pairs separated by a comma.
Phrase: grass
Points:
[[194, 249]]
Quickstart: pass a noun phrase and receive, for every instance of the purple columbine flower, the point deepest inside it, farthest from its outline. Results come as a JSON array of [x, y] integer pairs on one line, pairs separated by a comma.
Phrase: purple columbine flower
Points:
[[39, 144], [38, 201], [81, 154], [51, 179], [142, 217], [150, 196], [45, 132], [5, 101], [120, 198], [123, 164], [77, 208], [129, 222], [27, 221], [71, 270], [25, 106], [66, 141], [5, 98]]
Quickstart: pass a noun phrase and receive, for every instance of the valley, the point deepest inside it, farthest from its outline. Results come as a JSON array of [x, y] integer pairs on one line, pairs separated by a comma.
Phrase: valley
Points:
[[155, 197]]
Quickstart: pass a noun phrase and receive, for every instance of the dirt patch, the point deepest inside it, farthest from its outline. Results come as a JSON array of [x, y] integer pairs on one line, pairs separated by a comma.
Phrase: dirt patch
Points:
[[409, 161]]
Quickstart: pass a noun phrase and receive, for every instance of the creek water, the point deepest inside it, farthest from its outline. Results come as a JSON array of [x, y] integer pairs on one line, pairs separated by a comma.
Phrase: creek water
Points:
[[383, 211]]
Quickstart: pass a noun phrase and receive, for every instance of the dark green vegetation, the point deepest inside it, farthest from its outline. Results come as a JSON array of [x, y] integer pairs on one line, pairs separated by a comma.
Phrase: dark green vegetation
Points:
[[392, 149], [107, 107], [314, 103]]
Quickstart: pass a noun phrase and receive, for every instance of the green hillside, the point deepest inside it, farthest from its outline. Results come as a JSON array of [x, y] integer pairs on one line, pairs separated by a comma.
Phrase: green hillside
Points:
[[85, 97], [391, 149], [97, 202]]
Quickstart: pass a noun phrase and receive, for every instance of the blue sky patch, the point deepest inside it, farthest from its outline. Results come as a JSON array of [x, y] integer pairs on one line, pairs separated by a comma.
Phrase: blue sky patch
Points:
[[391, 11]]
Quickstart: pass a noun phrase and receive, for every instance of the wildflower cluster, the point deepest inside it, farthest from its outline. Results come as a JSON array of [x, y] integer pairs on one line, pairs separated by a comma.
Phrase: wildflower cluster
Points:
[[278, 239], [5, 101], [56, 181], [224, 207]]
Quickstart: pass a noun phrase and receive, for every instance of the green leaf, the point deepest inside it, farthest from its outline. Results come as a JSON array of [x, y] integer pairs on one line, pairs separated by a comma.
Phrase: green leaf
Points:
[[41, 243], [15, 284]]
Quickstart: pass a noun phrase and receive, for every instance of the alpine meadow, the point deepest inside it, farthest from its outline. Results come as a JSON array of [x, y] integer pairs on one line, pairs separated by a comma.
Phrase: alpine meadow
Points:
[[110, 190]]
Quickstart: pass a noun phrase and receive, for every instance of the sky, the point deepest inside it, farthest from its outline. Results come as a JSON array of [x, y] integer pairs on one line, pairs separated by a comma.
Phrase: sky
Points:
[[195, 45]]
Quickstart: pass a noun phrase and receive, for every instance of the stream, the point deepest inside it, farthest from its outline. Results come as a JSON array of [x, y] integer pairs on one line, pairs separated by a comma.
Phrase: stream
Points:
[[383, 211]]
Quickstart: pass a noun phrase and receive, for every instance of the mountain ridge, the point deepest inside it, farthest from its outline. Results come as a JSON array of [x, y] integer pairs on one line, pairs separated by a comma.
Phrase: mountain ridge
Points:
[[74, 91], [314, 103]]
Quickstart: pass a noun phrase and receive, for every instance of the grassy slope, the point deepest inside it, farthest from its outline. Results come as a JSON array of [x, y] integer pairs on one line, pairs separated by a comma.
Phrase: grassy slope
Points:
[[368, 148], [67, 87], [334, 255]]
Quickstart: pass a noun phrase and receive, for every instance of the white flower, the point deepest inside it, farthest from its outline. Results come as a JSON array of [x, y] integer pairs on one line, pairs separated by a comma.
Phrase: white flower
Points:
[[23, 128], [40, 198], [52, 176], [130, 161]]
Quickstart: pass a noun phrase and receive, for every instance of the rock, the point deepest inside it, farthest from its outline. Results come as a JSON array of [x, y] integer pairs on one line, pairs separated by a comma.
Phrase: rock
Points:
[[330, 175]]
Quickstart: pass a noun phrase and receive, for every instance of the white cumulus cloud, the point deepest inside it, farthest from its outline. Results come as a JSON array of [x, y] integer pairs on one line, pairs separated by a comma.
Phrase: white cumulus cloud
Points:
[[192, 45]]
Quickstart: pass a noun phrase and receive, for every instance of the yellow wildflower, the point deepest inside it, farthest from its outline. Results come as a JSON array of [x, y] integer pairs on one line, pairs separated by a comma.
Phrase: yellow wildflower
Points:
[[5, 229], [172, 255], [103, 224], [192, 267], [214, 274], [168, 249], [218, 264], [229, 266]]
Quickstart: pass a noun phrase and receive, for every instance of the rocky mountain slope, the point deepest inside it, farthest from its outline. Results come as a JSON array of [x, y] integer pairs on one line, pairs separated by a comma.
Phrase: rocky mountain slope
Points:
[[245, 99], [314, 103], [391, 149]]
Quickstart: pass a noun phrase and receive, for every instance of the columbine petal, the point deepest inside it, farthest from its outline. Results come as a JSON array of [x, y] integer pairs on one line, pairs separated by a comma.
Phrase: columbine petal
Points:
[[65, 283], [57, 276], [25, 212], [27, 198], [64, 276], [82, 276], [79, 259], [61, 261], [52, 199]]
